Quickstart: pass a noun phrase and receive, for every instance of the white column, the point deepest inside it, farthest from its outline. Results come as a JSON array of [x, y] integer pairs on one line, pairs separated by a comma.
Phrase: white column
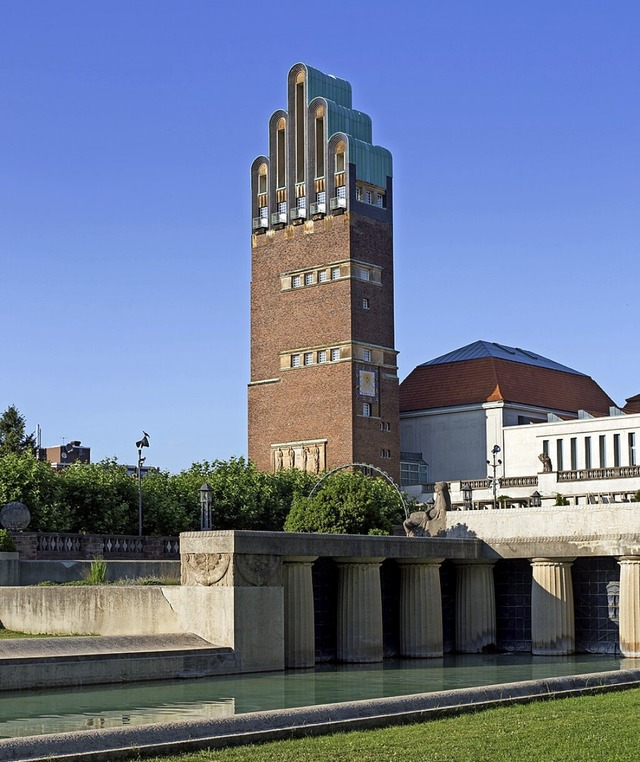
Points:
[[552, 614], [299, 626], [359, 610], [629, 605], [420, 608], [475, 607]]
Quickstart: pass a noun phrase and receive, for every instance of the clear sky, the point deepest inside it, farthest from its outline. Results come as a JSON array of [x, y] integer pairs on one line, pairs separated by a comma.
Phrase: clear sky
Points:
[[127, 129]]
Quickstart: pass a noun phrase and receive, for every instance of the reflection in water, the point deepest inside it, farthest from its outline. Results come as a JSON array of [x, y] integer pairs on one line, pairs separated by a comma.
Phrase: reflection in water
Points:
[[108, 706]]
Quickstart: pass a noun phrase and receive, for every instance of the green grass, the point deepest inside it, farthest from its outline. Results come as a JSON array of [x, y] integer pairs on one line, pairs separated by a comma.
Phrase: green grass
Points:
[[12, 634], [599, 728]]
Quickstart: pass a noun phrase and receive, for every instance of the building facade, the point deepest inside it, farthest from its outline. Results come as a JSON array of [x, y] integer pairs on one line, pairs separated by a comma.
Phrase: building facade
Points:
[[324, 383], [557, 432]]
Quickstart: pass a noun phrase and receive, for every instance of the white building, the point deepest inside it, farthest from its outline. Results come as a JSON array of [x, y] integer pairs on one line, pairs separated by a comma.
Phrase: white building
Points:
[[455, 409]]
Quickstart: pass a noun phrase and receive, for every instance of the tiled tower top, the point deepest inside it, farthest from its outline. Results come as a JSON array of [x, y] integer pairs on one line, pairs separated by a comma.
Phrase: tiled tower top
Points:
[[310, 143]]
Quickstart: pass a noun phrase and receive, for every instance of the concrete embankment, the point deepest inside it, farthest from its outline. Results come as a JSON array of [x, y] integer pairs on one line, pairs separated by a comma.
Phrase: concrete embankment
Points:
[[65, 662], [256, 727]]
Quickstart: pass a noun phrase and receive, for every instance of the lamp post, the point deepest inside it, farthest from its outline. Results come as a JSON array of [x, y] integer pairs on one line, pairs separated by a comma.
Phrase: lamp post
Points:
[[536, 499], [496, 462], [467, 496], [144, 442], [205, 506]]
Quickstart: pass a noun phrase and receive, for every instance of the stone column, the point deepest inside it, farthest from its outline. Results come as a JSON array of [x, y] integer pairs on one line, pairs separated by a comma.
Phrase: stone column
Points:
[[475, 607], [359, 610], [420, 608], [629, 605], [299, 628], [552, 616]]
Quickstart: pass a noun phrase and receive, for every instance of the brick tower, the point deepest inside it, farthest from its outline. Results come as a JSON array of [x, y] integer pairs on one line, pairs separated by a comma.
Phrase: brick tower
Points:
[[324, 384]]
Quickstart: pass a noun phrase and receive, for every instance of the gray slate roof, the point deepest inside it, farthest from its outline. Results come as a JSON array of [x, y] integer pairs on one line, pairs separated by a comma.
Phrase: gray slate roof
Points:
[[480, 349]]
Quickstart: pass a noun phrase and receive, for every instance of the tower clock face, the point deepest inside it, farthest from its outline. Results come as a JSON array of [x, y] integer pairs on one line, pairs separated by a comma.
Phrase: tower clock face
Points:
[[367, 383]]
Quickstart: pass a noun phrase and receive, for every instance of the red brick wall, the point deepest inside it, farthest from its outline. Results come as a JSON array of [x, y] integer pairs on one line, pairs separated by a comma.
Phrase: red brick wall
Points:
[[318, 401]]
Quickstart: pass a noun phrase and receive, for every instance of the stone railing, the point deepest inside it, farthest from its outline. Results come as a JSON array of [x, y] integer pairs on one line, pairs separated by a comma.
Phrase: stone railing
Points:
[[40, 546], [584, 474], [519, 481], [478, 483]]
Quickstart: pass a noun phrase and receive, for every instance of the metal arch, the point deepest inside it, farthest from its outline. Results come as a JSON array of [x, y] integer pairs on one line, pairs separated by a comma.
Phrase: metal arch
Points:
[[382, 473]]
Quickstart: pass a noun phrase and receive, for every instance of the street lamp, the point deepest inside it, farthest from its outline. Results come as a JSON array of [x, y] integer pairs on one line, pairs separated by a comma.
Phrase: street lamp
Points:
[[144, 442], [536, 499], [205, 506], [496, 462], [467, 496]]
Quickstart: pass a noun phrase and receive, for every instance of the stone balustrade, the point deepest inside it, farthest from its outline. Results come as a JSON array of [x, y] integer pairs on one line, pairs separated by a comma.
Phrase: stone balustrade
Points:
[[46, 546]]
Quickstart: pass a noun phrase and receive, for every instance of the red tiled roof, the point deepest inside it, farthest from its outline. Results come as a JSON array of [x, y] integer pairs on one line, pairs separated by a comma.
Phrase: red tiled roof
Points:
[[491, 379], [633, 404]]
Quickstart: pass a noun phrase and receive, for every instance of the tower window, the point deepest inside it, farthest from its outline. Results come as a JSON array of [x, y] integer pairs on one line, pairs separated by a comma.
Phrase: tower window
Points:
[[308, 358], [335, 273], [367, 197], [358, 193], [366, 355], [282, 207], [262, 184], [295, 361], [280, 156], [364, 274], [366, 409], [335, 354], [322, 276], [340, 161], [301, 202], [308, 279], [296, 281], [322, 355], [380, 200], [365, 304], [341, 191]]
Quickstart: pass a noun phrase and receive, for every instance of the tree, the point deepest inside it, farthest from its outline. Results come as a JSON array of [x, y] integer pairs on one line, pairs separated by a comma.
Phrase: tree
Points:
[[348, 503], [12, 434], [34, 483]]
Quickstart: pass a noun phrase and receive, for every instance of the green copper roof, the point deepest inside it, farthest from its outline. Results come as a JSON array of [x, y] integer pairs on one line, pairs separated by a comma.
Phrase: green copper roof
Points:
[[347, 120], [327, 86], [373, 163]]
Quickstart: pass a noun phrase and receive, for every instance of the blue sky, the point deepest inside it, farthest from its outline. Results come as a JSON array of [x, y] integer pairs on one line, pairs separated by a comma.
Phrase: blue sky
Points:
[[127, 129]]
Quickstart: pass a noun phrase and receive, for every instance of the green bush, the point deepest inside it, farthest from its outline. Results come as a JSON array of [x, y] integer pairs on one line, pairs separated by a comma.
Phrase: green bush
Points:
[[7, 545], [347, 503]]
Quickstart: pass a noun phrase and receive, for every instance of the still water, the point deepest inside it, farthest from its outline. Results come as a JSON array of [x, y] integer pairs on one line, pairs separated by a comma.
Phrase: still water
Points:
[[108, 706]]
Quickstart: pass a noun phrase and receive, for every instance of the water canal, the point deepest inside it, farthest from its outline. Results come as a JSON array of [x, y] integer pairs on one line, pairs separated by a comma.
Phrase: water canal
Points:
[[110, 706]]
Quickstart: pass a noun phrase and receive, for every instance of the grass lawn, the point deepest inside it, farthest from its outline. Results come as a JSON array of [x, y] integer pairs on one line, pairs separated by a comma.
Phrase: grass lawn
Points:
[[11, 634], [600, 728]]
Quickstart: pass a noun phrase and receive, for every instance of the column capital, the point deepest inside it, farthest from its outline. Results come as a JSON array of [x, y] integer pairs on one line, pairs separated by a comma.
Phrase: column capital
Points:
[[361, 560], [628, 559], [419, 561], [299, 559], [545, 561]]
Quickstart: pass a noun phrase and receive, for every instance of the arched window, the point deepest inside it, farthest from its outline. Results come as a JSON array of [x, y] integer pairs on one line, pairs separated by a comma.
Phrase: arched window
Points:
[[281, 153]]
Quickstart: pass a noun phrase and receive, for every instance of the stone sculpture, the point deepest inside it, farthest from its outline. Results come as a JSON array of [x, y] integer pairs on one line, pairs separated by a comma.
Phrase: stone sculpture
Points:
[[432, 521], [546, 462]]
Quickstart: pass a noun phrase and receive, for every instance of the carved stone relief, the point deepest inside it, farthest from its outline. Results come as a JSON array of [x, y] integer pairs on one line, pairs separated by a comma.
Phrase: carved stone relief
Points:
[[205, 569], [305, 456], [226, 570]]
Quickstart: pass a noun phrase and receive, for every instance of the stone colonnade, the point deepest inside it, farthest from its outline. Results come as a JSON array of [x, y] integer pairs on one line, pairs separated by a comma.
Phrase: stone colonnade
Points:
[[262, 596], [359, 636]]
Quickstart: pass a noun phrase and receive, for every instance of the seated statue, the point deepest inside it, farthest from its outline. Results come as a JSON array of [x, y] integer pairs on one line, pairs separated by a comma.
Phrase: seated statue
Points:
[[434, 520]]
